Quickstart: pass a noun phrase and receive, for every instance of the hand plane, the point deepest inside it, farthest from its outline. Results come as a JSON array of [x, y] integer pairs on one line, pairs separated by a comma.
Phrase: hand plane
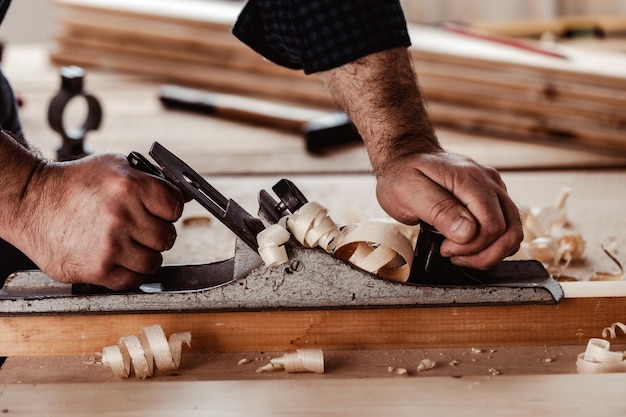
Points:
[[312, 278]]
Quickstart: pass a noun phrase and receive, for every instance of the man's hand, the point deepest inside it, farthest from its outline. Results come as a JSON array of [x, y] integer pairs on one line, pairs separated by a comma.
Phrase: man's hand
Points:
[[417, 179], [465, 201], [97, 220]]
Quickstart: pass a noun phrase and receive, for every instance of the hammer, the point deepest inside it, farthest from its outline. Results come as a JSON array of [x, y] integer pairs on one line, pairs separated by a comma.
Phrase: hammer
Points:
[[321, 130]]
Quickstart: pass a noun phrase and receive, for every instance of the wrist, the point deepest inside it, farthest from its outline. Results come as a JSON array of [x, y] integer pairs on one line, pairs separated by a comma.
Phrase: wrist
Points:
[[21, 171], [393, 154]]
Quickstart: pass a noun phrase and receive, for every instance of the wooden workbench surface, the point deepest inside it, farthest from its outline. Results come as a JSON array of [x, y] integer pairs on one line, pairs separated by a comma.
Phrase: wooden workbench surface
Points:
[[241, 159]]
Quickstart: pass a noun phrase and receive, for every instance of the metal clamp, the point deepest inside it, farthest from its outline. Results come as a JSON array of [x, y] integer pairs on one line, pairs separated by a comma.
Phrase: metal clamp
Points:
[[72, 80]]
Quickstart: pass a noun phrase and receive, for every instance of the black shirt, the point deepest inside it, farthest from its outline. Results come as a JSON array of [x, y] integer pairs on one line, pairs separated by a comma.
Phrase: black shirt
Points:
[[317, 35], [4, 6]]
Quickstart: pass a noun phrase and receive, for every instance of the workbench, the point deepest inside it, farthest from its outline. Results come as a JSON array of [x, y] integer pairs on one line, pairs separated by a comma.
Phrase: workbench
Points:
[[240, 159]]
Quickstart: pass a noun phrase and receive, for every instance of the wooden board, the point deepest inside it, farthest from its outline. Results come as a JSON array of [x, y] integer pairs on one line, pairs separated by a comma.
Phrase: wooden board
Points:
[[133, 119], [571, 395], [573, 321], [472, 85]]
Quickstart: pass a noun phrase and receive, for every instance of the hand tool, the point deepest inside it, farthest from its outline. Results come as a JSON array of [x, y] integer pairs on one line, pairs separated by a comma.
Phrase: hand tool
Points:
[[322, 131], [312, 278], [73, 145]]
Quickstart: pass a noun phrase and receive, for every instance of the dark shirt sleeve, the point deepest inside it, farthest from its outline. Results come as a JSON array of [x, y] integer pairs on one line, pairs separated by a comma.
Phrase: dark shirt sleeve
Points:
[[318, 35]]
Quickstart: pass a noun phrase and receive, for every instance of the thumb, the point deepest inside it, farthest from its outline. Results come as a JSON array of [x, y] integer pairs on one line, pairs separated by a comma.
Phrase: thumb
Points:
[[448, 215]]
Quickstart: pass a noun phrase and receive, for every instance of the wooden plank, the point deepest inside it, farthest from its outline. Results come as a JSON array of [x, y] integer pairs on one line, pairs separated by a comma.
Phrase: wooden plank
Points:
[[573, 101], [554, 395], [134, 119], [573, 321], [438, 81]]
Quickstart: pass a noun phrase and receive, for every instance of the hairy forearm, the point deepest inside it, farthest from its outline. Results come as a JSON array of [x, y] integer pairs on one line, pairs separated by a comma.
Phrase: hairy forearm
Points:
[[18, 168], [380, 92]]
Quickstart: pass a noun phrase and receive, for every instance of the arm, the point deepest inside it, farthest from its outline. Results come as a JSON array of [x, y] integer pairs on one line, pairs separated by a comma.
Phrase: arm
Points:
[[360, 53], [416, 178], [95, 220]]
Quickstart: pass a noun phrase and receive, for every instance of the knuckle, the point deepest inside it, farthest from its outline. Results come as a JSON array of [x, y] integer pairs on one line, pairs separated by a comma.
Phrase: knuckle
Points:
[[120, 185], [443, 212], [494, 229]]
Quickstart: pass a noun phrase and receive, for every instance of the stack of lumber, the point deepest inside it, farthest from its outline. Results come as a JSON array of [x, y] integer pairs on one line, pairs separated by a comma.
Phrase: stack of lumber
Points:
[[470, 84]]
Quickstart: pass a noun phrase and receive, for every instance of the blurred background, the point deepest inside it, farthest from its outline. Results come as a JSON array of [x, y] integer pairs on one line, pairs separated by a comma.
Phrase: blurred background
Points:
[[32, 20]]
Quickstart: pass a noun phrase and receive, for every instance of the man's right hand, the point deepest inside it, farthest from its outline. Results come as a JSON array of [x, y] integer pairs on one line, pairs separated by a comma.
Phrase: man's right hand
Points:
[[97, 220]]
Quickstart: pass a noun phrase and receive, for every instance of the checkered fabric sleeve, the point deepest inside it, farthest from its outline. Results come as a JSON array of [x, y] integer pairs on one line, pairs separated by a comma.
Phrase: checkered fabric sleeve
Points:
[[317, 35]]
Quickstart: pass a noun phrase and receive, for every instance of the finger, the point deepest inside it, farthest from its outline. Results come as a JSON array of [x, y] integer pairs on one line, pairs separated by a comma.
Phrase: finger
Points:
[[140, 259], [466, 201], [121, 279], [152, 232], [488, 205], [505, 245], [446, 213], [161, 198]]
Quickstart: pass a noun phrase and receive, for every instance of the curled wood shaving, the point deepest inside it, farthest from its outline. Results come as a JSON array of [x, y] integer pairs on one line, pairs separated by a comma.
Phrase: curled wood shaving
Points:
[[598, 358], [142, 353], [426, 364], [272, 245], [375, 246], [378, 248], [548, 236], [312, 227], [612, 330], [302, 360]]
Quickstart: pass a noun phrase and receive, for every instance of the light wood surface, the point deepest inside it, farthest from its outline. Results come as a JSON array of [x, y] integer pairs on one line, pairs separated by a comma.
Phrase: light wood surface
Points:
[[573, 321], [558, 395], [339, 364]]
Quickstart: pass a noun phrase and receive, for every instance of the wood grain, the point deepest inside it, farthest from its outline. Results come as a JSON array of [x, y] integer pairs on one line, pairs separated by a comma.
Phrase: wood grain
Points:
[[571, 395], [573, 321]]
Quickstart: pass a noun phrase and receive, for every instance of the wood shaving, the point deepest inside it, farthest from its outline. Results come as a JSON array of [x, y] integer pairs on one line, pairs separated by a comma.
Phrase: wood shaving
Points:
[[302, 360], [397, 371], [426, 365], [243, 361], [141, 353], [378, 248], [549, 237], [272, 245], [598, 358], [612, 330], [375, 246], [494, 371], [454, 363]]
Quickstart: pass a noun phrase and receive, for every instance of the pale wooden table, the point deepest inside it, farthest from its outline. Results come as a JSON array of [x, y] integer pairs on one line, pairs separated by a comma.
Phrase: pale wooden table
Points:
[[241, 159]]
